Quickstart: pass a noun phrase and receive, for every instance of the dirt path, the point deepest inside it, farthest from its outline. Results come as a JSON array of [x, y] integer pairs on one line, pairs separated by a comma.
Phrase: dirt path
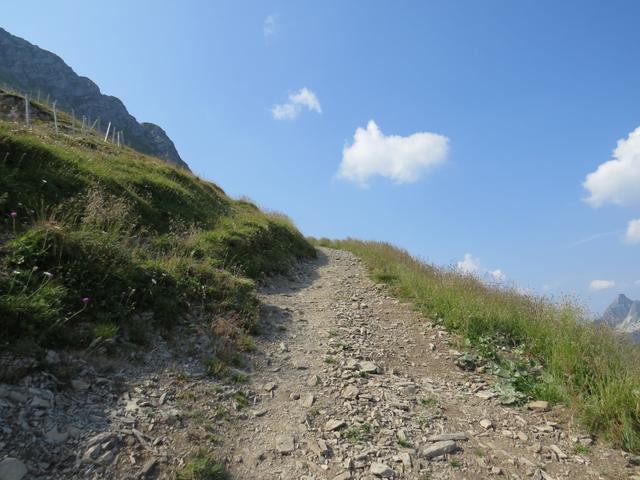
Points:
[[349, 383], [345, 382]]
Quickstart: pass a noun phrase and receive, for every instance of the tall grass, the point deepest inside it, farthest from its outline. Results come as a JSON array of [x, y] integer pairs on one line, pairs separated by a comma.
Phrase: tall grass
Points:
[[98, 241], [591, 369]]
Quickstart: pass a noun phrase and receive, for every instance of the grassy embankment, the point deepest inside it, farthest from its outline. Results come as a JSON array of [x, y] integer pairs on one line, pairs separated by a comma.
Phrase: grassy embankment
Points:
[[540, 349], [98, 241]]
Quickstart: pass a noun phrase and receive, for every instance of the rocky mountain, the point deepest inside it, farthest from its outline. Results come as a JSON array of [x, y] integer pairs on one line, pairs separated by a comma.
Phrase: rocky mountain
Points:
[[623, 315], [30, 69]]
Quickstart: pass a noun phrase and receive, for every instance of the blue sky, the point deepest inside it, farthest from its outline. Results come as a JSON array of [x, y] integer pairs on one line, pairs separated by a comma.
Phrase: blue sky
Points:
[[488, 117]]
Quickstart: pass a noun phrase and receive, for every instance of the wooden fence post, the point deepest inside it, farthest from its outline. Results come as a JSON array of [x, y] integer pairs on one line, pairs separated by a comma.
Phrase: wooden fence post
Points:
[[55, 116], [26, 110]]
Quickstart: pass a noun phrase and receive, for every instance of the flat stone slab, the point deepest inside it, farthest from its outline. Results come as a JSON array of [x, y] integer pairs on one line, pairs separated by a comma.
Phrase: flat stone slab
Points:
[[368, 367], [332, 425], [381, 470], [285, 444], [448, 436], [439, 448], [12, 469], [350, 392], [538, 406]]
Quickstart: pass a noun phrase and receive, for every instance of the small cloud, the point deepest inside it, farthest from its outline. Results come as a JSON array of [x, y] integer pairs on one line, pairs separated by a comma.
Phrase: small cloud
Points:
[[270, 26], [498, 275], [633, 231], [297, 101], [471, 265], [402, 159], [597, 285], [616, 181]]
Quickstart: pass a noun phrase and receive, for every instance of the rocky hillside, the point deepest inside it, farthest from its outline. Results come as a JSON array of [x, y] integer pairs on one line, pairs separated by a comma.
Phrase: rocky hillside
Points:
[[624, 315], [30, 69]]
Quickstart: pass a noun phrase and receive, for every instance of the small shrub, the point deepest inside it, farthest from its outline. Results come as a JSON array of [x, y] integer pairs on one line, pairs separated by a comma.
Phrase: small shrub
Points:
[[246, 344], [241, 399], [215, 367]]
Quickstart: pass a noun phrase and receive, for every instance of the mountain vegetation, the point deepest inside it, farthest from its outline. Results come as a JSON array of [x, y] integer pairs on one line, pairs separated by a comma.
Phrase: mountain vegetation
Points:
[[101, 242], [542, 350]]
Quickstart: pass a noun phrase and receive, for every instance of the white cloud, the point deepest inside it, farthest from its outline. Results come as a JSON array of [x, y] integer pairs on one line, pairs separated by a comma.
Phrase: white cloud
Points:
[[596, 285], [471, 265], [633, 231], [616, 181], [497, 275], [402, 159], [303, 98], [270, 25]]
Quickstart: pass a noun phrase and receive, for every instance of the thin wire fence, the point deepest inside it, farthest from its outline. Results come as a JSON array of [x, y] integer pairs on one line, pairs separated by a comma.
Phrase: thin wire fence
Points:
[[63, 123]]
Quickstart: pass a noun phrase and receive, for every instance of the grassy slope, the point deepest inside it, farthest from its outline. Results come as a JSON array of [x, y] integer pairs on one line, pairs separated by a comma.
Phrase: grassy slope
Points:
[[563, 358], [145, 242]]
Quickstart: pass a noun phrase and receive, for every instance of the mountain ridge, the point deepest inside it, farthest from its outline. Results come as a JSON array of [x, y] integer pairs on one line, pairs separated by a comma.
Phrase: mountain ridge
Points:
[[29, 68], [623, 315]]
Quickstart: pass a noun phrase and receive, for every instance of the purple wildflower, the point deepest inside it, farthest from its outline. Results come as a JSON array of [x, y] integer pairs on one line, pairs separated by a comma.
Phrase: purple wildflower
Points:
[[13, 214], [86, 300]]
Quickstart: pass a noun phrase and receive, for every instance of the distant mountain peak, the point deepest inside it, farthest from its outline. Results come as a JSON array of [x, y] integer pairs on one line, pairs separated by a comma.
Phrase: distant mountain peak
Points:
[[622, 298], [623, 315], [30, 69]]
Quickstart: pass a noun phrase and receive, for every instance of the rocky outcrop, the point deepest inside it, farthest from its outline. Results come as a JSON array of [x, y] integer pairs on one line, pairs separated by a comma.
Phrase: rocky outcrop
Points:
[[27, 68], [164, 146]]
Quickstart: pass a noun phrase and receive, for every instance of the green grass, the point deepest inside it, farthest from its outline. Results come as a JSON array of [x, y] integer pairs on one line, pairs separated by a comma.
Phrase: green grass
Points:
[[358, 434], [581, 449], [241, 400], [201, 466], [428, 402], [550, 351], [106, 330], [404, 443], [107, 242]]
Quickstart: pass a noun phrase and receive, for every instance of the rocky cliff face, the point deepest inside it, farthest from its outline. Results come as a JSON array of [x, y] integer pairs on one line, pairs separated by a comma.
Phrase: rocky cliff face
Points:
[[623, 315], [30, 69]]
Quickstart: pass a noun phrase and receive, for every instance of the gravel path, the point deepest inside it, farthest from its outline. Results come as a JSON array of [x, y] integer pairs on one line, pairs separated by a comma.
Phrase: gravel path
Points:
[[350, 383], [345, 382]]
